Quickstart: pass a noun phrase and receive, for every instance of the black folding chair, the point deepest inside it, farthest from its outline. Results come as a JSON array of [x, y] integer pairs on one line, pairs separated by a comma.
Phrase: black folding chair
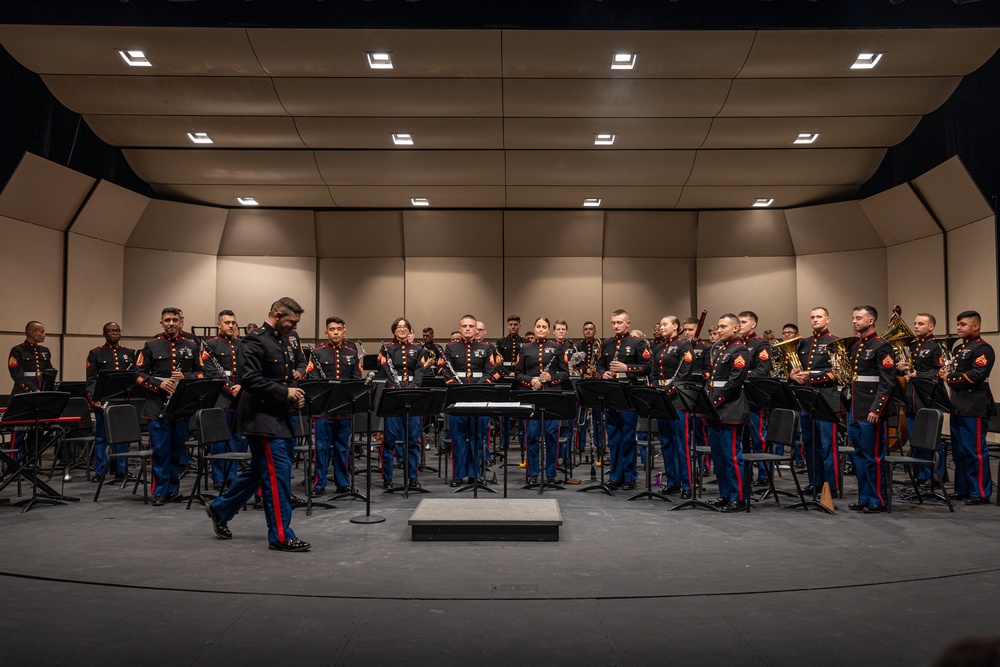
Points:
[[925, 436], [79, 440], [782, 429], [121, 427], [210, 427]]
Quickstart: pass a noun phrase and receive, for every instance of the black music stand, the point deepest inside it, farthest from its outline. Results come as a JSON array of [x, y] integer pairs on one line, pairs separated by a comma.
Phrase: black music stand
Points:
[[475, 393], [190, 396], [508, 384], [348, 398], [651, 403], [557, 405], [775, 394], [36, 407], [697, 402], [601, 395], [818, 409], [114, 386], [318, 393], [367, 517], [408, 403]]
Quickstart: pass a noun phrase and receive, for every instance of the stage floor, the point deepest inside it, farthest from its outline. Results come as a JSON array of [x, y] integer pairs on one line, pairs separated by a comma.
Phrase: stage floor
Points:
[[627, 582]]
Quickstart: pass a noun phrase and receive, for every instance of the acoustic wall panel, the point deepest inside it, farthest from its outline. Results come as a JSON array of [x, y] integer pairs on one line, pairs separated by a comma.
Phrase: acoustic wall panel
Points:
[[155, 279], [167, 225], [110, 213], [916, 279], [359, 234], [553, 233], [972, 272], [32, 258], [44, 193], [746, 233], [95, 271], [764, 285], [367, 292], [831, 228], [269, 232], [249, 285], [439, 290], [566, 288], [952, 195], [899, 216], [840, 281], [650, 234], [75, 350], [453, 233], [647, 289]]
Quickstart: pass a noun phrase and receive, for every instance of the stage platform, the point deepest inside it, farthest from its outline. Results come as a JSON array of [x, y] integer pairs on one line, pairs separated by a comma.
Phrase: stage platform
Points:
[[486, 519]]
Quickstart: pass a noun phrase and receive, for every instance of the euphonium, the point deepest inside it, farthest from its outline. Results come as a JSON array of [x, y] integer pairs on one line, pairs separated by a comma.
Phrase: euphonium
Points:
[[790, 357], [840, 359], [899, 335]]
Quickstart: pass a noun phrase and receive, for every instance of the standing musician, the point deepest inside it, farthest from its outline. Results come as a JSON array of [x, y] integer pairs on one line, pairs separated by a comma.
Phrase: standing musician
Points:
[[467, 362], [817, 372], [510, 345], [658, 336], [874, 365], [729, 372], [336, 359], [924, 363], [223, 349], [755, 437], [29, 364], [973, 401], [164, 361], [673, 360], [629, 359], [403, 366], [542, 365], [700, 368], [108, 357], [434, 351], [266, 365], [591, 348]]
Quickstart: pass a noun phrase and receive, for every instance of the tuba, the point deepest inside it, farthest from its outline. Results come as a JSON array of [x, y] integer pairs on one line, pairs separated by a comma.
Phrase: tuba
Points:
[[840, 359], [788, 349], [899, 335]]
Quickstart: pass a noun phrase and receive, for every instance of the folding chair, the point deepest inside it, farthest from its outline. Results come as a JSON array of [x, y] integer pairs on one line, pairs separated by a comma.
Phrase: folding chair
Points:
[[925, 435], [121, 426]]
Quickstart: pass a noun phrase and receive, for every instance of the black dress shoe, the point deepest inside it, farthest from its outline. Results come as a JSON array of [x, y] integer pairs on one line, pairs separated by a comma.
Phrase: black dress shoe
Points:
[[386, 483], [175, 498], [873, 509], [297, 502], [740, 506], [671, 489], [721, 502], [218, 525], [533, 479], [343, 489], [294, 544], [217, 486], [414, 483], [550, 480], [628, 486], [318, 491], [857, 506], [614, 484], [761, 482], [977, 501], [258, 503], [808, 490], [455, 483], [159, 501], [686, 495], [957, 496]]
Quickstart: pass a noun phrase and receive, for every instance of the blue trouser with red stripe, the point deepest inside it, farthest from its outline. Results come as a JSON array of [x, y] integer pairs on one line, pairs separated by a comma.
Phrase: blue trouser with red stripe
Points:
[[461, 429], [727, 457], [701, 439], [973, 477], [333, 437], [101, 449], [168, 440], [675, 450], [225, 471], [394, 431], [869, 454], [551, 446], [755, 440], [823, 465], [270, 470], [927, 473], [620, 429]]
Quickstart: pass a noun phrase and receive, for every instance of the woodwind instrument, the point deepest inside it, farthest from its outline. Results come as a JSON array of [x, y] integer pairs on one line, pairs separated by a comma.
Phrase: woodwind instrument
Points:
[[317, 364], [393, 375]]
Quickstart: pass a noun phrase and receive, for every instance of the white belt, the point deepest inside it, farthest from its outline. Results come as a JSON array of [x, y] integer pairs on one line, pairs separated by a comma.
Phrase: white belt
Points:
[[31, 375], [666, 383], [867, 378], [719, 383], [621, 375], [228, 373], [472, 375]]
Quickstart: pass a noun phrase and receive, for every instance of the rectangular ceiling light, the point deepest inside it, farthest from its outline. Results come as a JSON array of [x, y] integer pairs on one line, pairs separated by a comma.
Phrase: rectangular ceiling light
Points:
[[200, 138], [402, 139], [247, 201], [379, 60], [420, 201], [762, 202], [623, 60], [135, 58], [592, 201], [604, 139], [867, 61], [806, 138]]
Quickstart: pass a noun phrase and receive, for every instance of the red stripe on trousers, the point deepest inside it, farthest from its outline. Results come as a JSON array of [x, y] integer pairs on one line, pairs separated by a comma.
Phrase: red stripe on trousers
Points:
[[836, 459], [272, 474], [878, 463], [979, 457], [739, 473]]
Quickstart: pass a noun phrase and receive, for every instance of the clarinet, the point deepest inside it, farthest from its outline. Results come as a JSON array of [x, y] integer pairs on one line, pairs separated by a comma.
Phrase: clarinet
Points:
[[393, 375], [548, 366], [447, 363], [317, 364]]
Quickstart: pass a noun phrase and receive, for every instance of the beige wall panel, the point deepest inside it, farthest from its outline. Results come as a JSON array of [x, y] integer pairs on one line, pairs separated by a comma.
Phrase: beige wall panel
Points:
[[830, 228], [155, 279], [44, 193], [7, 341], [898, 215], [650, 234], [95, 284], [648, 289], [972, 272], [439, 290], [269, 232], [167, 225], [249, 285], [452, 234], [359, 233], [840, 281], [32, 258], [366, 291], [560, 288], [916, 278], [75, 351], [553, 233], [952, 195], [374, 97], [753, 233], [611, 98], [111, 213], [597, 168], [765, 285]]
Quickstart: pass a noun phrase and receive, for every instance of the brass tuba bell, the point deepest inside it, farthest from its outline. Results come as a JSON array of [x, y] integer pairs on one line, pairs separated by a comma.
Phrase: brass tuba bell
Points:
[[790, 357], [899, 335], [840, 359]]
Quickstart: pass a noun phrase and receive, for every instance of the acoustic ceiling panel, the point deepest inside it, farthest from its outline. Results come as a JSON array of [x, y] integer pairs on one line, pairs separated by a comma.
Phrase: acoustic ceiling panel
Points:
[[44, 193], [629, 133], [596, 167], [699, 197], [390, 97], [899, 216], [400, 196], [224, 166], [785, 167], [426, 133], [402, 167], [834, 132], [279, 196], [613, 98], [172, 131], [611, 196], [952, 195]]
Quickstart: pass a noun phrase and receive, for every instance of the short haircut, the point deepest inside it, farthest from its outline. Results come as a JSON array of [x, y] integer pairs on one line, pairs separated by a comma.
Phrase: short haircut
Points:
[[171, 310], [400, 320], [563, 322], [749, 313], [286, 305], [467, 316], [792, 325], [620, 311], [454, 333], [513, 318], [429, 330], [107, 325], [672, 319], [868, 309], [825, 311], [691, 320], [969, 315], [731, 317], [929, 317], [31, 326], [590, 323], [335, 319], [226, 313]]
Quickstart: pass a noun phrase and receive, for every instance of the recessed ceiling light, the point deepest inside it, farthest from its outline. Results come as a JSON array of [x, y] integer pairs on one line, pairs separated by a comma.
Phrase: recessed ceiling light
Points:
[[763, 202], [247, 201], [592, 201], [379, 60], [135, 58], [402, 139], [420, 201], [623, 60], [604, 139], [200, 137], [806, 138], [866, 61]]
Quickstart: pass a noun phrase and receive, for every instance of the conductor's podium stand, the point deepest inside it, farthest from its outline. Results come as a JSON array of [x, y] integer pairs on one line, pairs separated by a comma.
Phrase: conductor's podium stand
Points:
[[484, 519]]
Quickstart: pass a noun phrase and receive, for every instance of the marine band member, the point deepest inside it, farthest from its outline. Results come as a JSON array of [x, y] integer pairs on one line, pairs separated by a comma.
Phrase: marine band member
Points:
[[510, 345], [30, 367], [108, 357], [924, 364], [222, 348], [729, 372], [403, 366], [673, 360], [755, 437]]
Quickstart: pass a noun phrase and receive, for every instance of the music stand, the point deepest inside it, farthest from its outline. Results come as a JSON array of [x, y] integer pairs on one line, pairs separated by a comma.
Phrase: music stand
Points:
[[818, 409], [367, 517], [34, 408], [475, 393], [348, 398], [778, 395], [113, 385], [190, 396], [651, 403], [409, 403], [318, 393], [602, 395], [557, 405], [697, 402]]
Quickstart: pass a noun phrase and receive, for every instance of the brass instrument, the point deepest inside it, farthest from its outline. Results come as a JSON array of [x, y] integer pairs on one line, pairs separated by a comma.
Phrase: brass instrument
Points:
[[840, 359], [899, 335], [790, 357], [948, 360], [574, 360]]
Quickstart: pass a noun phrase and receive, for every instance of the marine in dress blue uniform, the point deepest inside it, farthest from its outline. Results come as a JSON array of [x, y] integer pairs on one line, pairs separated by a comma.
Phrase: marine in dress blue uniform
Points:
[[219, 360], [403, 366], [30, 367], [730, 368], [266, 365], [541, 365], [924, 364], [590, 346], [755, 436], [673, 361], [108, 357], [700, 368]]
